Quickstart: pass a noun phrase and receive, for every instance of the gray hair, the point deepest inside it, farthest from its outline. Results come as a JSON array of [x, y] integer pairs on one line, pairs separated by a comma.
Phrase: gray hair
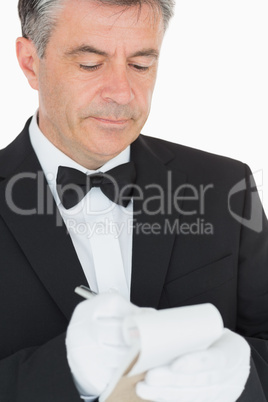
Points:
[[39, 17]]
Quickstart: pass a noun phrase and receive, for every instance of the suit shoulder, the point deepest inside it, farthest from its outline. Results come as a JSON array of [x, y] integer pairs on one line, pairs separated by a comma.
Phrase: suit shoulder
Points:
[[197, 163], [188, 156], [15, 152]]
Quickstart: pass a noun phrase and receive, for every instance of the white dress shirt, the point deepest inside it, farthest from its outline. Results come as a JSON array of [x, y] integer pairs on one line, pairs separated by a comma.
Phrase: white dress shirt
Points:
[[101, 231]]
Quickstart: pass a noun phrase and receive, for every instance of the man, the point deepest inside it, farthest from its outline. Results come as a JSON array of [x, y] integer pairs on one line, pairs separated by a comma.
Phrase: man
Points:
[[191, 231]]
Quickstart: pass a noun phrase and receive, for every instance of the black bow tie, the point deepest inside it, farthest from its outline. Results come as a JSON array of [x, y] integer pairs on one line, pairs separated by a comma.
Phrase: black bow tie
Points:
[[116, 184]]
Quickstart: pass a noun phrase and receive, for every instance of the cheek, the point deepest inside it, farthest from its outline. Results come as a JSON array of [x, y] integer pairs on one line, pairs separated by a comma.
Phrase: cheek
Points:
[[146, 92], [60, 99], [81, 96], [145, 101], [50, 89]]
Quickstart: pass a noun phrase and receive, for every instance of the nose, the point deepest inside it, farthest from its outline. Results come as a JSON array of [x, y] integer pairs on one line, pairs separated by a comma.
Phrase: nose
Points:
[[117, 87]]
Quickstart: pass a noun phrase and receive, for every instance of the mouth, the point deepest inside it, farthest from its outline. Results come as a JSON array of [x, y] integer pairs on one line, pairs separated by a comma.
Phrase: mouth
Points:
[[111, 121]]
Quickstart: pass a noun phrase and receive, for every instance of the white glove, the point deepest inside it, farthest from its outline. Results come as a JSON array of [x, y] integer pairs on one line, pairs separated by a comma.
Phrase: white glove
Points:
[[216, 374], [94, 341]]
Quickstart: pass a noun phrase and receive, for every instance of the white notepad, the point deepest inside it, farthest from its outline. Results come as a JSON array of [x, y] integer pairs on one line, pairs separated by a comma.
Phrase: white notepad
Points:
[[155, 338]]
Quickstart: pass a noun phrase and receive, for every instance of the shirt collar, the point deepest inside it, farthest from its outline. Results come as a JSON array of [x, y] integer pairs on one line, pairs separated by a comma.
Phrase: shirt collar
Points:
[[51, 158]]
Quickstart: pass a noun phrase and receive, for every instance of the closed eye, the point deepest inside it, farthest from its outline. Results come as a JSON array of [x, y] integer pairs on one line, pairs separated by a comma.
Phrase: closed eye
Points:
[[90, 68], [140, 68], [97, 66]]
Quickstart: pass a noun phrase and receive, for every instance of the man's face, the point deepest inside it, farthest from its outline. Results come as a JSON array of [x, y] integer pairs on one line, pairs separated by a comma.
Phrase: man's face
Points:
[[97, 78]]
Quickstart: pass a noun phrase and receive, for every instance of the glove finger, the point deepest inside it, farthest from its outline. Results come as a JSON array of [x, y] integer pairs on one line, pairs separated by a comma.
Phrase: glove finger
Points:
[[104, 305], [206, 360], [105, 331], [106, 356], [222, 386], [164, 377], [114, 305], [109, 331], [234, 347], [171, 394], [229, 351], [203, 394], [113, 356]]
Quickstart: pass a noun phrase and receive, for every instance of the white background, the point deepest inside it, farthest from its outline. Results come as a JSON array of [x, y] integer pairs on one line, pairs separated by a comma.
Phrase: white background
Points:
[[212, 89]]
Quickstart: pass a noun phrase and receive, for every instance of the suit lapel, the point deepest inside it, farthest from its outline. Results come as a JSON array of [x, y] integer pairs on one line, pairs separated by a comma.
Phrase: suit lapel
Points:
[[48, 247], [41, 234], [152, 239]]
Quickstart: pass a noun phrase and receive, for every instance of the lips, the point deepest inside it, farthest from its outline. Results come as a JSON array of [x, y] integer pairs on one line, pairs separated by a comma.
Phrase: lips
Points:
[[111, 121]]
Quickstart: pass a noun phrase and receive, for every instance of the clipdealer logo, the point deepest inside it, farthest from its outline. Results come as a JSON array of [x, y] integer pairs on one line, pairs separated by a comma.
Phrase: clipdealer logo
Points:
[[255, 221]]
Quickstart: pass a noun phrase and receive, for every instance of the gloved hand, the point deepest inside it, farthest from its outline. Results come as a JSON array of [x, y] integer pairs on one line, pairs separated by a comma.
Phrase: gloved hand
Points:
[[94, 341], [216, 374]]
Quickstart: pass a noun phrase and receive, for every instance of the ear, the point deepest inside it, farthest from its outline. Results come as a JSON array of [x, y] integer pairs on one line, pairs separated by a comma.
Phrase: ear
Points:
[[28, 60]]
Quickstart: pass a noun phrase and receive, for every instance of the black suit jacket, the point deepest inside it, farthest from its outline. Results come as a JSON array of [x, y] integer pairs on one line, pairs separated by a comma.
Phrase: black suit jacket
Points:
[[191, 244]]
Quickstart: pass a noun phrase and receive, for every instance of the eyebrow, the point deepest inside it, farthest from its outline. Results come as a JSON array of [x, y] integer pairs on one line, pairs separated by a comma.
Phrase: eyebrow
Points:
[[146, 53], [91, 49], [85, 49]]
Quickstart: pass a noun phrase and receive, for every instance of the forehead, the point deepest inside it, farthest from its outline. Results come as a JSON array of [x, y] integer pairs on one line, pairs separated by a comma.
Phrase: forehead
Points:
[[89, 20]]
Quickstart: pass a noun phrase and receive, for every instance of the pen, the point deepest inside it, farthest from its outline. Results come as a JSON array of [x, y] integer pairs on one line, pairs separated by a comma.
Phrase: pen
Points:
[[85, 292]]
